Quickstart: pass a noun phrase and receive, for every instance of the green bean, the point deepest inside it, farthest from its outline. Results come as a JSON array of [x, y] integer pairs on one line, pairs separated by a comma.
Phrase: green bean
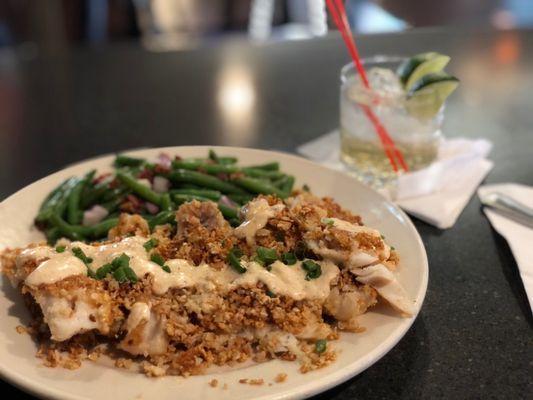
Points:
[[258, 186], [111, 205], [204, 180], [212, 169], [227, 160], [228, 212], [164, 217], [93, 194], [234, 222], [221, 160], [286, 184], [272, 166], [259, 173], [74, 213], [54, 194], [138, 188], [207, 193], [101, 229], [126, 161], [189, 186], [191, 165], [241, 198], [56, 202], [79, 232], [52, 235], [185, 198], [166, 203], [114, 194]]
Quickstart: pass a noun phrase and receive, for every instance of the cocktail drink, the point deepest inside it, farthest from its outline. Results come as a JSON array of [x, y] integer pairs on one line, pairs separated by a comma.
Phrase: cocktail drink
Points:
[[407, 96]]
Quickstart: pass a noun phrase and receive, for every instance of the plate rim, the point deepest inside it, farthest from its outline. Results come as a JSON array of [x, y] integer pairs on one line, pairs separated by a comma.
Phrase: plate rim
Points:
[[318, 385]]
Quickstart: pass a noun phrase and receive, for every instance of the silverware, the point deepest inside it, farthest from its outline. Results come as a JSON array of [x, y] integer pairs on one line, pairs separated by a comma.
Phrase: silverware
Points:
[[509, 207]]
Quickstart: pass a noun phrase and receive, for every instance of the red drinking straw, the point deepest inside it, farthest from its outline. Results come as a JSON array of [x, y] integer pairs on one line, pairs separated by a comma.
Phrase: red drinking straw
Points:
[[340, 19]]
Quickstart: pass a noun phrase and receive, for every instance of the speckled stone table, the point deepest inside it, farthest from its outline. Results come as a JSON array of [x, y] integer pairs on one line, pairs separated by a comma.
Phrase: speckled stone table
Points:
[[473, 337]]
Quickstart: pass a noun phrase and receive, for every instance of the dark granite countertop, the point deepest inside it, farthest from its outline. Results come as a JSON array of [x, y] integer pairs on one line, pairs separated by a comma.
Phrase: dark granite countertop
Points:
[[473, 337]]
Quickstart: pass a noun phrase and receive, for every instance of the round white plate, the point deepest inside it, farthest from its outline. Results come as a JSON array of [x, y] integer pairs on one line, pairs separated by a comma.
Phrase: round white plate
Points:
[[96, 381]]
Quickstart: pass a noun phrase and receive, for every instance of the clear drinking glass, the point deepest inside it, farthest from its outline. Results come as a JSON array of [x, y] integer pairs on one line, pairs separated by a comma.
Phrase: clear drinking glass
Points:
[[415, 131]]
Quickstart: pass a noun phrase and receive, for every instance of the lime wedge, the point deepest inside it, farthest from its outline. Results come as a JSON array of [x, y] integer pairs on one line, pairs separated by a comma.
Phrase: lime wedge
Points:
[[414, 68], [428, 94]]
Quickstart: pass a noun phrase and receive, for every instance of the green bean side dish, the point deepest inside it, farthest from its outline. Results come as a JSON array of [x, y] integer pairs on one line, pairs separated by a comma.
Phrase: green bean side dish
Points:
[[154, 190]]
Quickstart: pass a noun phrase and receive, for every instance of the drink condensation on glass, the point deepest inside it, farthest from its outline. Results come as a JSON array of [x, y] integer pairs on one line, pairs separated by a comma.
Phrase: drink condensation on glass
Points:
[[415, 135]]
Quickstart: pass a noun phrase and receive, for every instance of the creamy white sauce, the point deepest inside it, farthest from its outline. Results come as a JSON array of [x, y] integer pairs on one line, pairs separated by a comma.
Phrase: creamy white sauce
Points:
[[256, 214], [281, 279], [289, 280], [384, 281], [65, 318], [55, 269]]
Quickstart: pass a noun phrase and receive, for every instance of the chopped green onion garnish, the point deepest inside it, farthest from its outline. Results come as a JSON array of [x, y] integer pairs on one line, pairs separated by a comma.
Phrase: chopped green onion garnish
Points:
[[120, 275], [81, 255], [90, 273], [321, 345], [157, 258], [289, 258], [328, 221], [270, 294], [382, 237], [234, 259], [130, 274], [60, 249], [313, 269], [166, 268], [306, 188], [267, 256], [105, 269], [121, 261], [393, 248], [150, 244]]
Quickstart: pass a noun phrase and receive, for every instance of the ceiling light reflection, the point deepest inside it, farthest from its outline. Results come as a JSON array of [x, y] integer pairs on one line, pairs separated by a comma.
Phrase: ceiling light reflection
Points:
[[236, 100]]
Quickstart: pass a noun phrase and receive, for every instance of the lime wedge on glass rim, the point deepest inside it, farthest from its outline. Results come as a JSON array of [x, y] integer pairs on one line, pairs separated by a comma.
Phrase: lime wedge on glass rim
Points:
[[414, 68], [428, 94]]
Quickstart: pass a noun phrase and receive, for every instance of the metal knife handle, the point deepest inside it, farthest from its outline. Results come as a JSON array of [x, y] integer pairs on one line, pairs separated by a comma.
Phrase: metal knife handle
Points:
[[508, 206]]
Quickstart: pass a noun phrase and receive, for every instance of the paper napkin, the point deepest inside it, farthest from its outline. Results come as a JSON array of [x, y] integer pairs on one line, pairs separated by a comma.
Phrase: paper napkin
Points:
[[519, 237], [437, 194]]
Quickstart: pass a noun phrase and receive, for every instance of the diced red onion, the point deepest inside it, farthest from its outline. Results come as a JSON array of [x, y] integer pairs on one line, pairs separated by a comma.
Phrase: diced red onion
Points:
[[94, 215], [151, 208], [160, 184], [225, 200], [164, 160]]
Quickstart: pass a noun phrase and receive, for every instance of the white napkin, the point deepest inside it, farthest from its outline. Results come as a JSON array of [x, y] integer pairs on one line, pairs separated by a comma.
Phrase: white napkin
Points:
[[437, 194], [519, 237]]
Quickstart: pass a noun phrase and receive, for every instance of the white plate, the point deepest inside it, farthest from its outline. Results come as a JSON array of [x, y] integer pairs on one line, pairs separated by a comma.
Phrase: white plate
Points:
[[356, 351]]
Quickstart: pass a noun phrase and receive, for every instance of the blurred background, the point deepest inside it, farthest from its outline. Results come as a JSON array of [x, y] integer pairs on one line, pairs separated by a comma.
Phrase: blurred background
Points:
[[175, 24]]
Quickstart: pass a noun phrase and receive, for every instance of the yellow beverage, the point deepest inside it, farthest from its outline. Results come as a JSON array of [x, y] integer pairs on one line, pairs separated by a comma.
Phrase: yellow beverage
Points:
[[361, 149]]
